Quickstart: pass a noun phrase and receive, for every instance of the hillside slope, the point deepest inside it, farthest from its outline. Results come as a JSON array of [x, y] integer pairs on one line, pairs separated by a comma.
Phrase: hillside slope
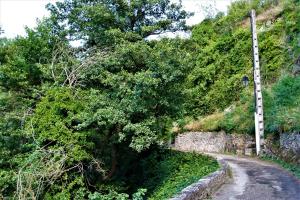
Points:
[[224, 56]]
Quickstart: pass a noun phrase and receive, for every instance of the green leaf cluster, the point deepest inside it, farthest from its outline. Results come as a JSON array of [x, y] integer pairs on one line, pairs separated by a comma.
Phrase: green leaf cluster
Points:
[[104, 21], [175, 171]]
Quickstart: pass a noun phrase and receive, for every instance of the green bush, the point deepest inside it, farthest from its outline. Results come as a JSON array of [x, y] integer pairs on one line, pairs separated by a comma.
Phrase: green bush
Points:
[[175, 171], [282, 106], [281, 110]]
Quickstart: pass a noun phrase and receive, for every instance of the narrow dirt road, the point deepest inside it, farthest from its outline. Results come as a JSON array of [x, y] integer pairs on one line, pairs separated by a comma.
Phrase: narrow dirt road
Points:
[[257, 180]]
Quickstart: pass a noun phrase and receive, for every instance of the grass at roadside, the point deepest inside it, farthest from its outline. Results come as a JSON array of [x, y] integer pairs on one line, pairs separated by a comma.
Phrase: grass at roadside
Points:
[[293, 168], [176, 171], [207, 123]]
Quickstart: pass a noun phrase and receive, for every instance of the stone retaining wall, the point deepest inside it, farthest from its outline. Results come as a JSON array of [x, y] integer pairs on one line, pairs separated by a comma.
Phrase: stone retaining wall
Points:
[[201, 142], [290, 142], [288, 147], [206, 186], [215, 142]]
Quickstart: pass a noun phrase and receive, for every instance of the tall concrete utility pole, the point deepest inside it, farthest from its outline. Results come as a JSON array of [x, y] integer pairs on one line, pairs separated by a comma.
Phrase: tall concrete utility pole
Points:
[[258, 115]]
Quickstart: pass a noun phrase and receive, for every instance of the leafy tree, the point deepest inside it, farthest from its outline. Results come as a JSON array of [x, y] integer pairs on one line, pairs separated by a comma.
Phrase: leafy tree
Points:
[[100, 21], [129, 106], [21, 79], [87, 112]]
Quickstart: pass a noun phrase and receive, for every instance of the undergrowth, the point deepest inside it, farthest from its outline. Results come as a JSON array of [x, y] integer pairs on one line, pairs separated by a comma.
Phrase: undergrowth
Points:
[[175, 171], [281, 111], [225, 57]]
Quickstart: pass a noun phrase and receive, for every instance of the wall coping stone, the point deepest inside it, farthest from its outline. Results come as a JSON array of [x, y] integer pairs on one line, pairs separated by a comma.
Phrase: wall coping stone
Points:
[[206, 186]]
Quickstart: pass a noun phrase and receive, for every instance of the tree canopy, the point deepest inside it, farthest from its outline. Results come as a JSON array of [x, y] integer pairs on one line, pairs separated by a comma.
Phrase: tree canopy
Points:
[[77, 117], [105, 21]]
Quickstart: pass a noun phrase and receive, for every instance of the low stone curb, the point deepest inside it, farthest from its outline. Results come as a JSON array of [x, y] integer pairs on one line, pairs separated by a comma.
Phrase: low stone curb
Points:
[[206, 186]]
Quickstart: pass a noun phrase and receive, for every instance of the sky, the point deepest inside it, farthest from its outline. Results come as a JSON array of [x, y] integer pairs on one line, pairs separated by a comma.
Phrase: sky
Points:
[[16, 14]]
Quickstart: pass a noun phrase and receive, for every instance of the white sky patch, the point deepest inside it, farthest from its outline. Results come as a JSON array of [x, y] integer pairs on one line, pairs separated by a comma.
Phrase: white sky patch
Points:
[[197, 6], [16, 14]]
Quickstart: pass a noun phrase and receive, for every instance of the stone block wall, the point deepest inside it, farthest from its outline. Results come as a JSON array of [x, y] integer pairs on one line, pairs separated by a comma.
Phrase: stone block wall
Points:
[[290, 142], [201, 141], [287, 148], [214, 142]]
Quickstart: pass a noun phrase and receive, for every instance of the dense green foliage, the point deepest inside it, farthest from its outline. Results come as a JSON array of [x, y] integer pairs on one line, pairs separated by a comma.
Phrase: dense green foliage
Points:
[[217, 84], [281, 110], [176, 171], [76, 120], [223, 55], [92, 122], [105, 22]]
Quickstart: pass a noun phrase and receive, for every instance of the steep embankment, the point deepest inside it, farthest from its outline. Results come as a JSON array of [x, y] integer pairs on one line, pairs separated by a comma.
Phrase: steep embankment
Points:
[[217, 97]]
